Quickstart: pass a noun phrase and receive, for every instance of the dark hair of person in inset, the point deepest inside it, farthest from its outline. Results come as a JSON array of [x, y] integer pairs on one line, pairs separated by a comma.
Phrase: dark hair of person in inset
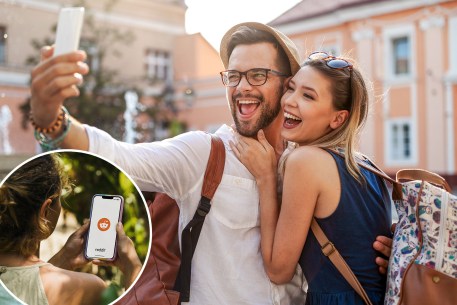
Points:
[[22, 198]]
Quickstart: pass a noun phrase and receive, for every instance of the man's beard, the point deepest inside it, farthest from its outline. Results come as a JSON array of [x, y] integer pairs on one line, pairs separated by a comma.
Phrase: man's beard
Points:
[[267, 116]]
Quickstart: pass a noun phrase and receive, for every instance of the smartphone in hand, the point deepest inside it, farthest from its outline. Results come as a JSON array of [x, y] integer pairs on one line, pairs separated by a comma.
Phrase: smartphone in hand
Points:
[[106, 212], [68, 30]]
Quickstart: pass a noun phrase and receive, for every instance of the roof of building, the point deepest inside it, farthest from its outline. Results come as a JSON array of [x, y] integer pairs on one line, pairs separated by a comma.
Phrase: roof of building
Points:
[[307, 9]]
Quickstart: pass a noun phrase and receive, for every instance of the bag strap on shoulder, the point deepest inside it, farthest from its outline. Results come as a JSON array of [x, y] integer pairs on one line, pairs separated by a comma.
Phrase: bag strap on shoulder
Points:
[[329, 250], [365, 162], [191, 233], [215, 167]]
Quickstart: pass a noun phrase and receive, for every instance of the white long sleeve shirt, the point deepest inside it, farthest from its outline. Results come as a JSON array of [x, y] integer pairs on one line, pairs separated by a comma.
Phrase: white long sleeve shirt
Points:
[[227, 266]]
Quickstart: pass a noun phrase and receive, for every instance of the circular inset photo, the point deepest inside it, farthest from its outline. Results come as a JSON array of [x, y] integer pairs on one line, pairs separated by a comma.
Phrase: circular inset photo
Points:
[[74, 229]]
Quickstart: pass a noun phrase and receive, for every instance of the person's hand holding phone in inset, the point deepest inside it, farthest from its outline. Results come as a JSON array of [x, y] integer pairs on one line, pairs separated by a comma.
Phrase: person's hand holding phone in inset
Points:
[[127, 259], [71, 256], [106, 242]]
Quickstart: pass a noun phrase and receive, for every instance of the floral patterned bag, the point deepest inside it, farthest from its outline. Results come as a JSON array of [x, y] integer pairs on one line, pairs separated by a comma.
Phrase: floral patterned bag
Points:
[[423, 263]]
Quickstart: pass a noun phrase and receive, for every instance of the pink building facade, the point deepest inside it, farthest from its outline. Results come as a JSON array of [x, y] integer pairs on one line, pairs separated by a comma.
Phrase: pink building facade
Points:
[[407, 53], [405, 49]]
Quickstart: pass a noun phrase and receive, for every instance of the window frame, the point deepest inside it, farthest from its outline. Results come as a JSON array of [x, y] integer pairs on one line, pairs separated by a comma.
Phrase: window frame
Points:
[[389, 36], [160, 70], [401, 159], [3, 45], [396, 56]]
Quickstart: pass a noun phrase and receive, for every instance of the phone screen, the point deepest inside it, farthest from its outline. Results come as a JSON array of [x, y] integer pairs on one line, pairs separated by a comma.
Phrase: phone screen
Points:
[[106, 212]]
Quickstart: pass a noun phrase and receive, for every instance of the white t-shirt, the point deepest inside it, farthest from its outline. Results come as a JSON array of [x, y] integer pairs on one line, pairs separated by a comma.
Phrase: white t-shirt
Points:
[[227, 266]]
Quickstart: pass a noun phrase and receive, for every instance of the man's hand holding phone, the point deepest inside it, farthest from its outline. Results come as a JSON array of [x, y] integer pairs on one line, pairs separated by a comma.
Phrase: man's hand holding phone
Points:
[[60, 71]]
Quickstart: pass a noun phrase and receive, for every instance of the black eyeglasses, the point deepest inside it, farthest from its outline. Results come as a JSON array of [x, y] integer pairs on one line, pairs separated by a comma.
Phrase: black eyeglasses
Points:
[[331, 61], [255, 77]]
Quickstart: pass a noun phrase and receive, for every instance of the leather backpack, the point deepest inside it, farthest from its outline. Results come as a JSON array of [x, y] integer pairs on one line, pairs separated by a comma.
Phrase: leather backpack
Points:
[[165, 275]]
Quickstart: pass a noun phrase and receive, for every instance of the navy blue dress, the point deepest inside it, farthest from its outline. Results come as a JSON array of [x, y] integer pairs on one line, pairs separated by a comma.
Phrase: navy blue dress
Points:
[[363, 213]]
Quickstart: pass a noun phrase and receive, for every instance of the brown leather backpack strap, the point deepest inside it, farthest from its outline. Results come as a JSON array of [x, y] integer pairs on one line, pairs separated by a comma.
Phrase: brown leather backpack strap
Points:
[[215, 167], [329, 250], [191, 233]]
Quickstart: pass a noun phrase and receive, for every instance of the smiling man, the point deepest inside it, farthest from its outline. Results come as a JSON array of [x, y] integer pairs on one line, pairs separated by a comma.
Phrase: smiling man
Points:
[[227, 266]]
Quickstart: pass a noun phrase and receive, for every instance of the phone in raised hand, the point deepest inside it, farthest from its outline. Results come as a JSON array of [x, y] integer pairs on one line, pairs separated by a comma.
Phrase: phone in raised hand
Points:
[[68, 30]]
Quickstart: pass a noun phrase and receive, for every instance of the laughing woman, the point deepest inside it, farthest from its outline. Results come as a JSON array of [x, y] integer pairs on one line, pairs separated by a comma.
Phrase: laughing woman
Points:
[[325, 107]]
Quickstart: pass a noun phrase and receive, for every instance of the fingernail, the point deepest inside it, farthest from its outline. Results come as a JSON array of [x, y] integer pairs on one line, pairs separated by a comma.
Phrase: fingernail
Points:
[[79, 77], [45, 49], [83, 66], [82, 54]]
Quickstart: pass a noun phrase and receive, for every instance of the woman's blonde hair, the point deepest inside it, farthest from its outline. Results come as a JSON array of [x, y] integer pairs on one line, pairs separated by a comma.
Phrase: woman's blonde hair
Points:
[[349, 93], [21, 197]]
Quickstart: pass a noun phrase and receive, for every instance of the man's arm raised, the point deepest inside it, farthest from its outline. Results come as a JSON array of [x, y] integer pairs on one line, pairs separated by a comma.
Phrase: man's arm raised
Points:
[[53, 81]]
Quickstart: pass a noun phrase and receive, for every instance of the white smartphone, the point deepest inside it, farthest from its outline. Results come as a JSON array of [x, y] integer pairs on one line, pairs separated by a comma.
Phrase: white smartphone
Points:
[[106, 212], [68, 30]]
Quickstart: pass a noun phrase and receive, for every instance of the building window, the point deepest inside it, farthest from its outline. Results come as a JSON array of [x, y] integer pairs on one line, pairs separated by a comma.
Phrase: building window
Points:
[[158, 65], [3, 37], [401, 55], [400, 141]]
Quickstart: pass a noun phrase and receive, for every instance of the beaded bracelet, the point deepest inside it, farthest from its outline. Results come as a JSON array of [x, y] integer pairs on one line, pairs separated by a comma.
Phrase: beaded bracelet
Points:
[[47, 143], [57, 123]]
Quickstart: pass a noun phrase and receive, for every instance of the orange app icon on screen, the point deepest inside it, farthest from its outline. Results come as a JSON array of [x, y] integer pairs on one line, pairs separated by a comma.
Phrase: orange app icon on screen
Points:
[[103, 224]]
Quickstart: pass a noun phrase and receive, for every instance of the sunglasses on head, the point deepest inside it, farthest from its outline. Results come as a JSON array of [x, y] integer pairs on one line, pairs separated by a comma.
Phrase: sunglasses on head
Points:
[[331, 61]]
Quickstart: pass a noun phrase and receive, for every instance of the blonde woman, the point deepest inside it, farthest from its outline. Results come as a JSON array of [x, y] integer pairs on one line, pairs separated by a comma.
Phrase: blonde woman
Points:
[[324, 106]]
